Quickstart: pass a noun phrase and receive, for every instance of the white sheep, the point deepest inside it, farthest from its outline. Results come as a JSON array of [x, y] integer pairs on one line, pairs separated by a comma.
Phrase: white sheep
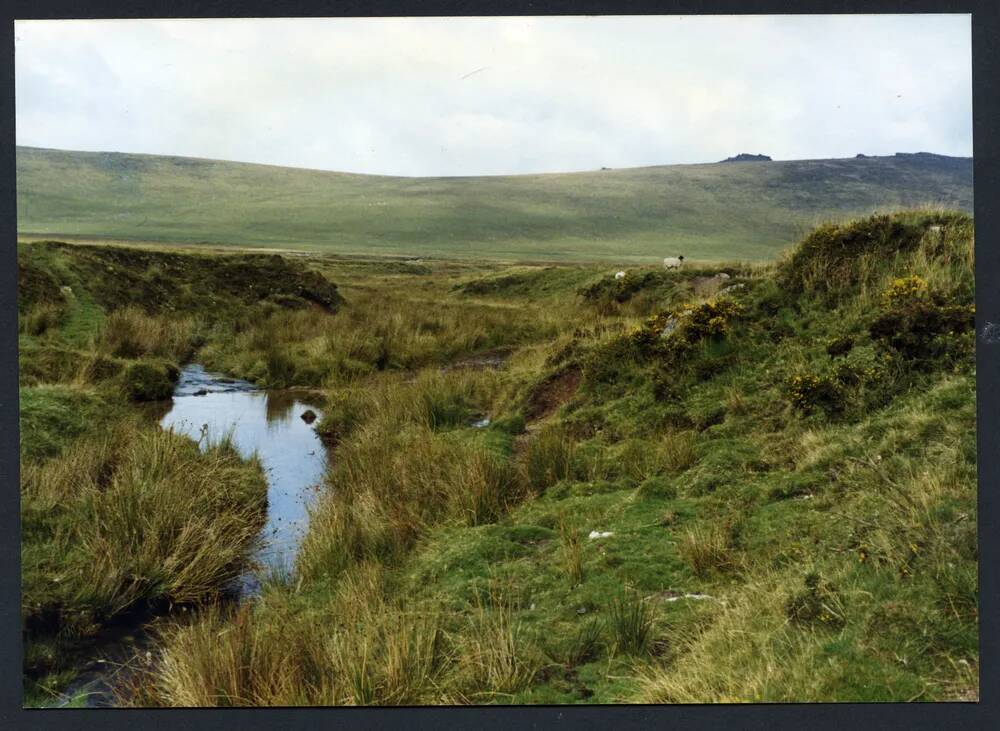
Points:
[[673, 262], [619, 275]]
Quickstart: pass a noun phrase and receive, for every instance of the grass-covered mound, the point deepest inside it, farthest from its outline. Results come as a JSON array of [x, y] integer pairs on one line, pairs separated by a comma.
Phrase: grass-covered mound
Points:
[[760, 493], [157, 281], [124, 318]]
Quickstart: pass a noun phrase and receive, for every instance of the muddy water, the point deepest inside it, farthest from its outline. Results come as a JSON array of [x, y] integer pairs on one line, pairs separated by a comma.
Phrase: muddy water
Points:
[[269, 424]]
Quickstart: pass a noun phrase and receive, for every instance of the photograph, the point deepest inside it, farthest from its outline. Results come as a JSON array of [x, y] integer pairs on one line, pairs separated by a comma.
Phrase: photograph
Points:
[[495, 361]]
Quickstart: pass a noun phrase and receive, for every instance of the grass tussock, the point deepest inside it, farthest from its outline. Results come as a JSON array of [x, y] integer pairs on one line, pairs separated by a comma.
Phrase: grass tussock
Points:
[[41, 318], [132, 333], [403, 472], [387, 490], [496, 660], [548, 458], [363, 648], [134, 515], [572, 552], [631, 621], [708, 549]]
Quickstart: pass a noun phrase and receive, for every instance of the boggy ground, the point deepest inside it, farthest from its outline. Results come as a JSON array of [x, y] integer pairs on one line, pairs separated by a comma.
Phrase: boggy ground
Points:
[[692, 488]]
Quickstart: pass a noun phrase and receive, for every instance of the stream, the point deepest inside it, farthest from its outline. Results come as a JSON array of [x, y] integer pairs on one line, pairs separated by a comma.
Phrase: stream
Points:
[[266, 423]]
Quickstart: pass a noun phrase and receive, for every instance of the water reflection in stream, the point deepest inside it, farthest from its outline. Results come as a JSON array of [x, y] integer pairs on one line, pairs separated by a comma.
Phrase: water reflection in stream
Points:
[[208, 406], [270, 425]]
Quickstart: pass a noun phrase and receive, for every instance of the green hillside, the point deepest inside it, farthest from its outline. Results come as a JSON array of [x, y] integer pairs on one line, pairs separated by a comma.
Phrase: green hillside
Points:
[[747, 210]]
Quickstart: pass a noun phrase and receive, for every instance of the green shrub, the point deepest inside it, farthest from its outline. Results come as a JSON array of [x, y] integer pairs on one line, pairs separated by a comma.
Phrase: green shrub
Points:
[[672, 340], [512, 425], [829, 258], [658, 486], [926, 330]]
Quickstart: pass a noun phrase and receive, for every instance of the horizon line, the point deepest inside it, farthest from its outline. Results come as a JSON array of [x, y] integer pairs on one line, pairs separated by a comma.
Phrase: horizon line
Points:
[[487, 175]]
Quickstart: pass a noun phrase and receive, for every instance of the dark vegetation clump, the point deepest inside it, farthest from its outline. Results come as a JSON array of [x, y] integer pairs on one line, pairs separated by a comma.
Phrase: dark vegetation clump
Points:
[[609, 289], [921, 325], [840, 346], [49, 364], [126, 518], [631, 621], [35, 286], [808, 392], [150, 380], [498, 285], [675, 344], [818, 605]]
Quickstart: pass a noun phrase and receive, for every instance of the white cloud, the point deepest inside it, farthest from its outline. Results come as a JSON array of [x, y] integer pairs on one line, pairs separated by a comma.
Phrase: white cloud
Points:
[[538, 94]]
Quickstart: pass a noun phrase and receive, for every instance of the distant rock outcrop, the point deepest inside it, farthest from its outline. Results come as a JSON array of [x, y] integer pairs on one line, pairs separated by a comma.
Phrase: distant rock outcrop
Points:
[[747, 157]]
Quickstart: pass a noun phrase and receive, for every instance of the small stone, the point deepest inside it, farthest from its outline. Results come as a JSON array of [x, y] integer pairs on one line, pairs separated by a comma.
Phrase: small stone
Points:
[[669, 327]]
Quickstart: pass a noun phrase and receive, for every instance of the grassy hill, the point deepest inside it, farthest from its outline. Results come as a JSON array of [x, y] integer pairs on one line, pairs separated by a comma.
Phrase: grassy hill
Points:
[[732, 210]]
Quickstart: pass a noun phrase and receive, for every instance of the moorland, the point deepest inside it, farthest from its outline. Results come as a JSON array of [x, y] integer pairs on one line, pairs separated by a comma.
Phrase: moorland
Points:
[[749, 479]]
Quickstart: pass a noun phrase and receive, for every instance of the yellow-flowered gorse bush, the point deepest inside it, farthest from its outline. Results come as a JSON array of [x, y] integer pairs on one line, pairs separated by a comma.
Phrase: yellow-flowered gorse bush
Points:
[[905, 289], [922, 325], [688, 324]]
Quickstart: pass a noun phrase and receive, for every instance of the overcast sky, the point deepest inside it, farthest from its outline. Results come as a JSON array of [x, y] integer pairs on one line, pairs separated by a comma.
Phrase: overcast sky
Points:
[[480, 96]]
